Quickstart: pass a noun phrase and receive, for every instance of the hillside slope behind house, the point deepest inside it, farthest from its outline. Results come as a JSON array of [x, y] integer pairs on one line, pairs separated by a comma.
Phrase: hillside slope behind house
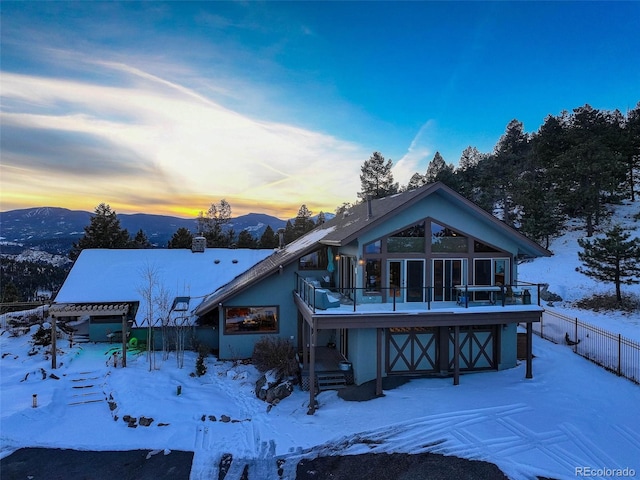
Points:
[[561, 273]]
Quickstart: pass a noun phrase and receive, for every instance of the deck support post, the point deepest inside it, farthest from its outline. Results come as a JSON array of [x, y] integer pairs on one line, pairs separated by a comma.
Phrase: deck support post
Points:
[[312, 369], [456, 355], [529, 350], [305, 342], [379, 362]]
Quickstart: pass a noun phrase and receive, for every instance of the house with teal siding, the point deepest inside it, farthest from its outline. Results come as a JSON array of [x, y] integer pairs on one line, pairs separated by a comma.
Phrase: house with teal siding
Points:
[[419, 283]]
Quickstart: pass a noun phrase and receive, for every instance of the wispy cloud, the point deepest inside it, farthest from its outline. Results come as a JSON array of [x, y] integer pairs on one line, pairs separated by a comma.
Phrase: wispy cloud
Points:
[[417, 156], [157, 132]]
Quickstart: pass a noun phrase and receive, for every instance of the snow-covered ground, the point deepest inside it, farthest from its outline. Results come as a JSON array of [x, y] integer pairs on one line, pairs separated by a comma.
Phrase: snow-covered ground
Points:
[[560, 272], [571, 415]]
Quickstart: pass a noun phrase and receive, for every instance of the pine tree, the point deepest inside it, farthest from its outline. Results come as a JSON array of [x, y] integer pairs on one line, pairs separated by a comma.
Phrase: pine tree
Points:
[[141, 240], [503, 167], [246, 240], [303, 222], [182, 238], [376, 178], [268, 239], [415, 181], [631, 149], [612, 259], [103, 231]]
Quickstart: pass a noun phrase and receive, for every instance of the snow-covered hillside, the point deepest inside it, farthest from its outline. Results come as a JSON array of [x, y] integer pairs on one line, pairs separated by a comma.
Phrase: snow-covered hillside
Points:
[[560, 272], [39, 256]]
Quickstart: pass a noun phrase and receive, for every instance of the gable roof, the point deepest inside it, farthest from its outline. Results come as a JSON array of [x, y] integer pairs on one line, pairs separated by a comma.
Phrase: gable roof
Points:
[[360, 219], [102, 276], [343, 229]]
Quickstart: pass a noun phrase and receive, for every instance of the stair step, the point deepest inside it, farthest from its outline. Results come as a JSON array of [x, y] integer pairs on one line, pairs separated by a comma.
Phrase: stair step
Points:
[[331, 381]]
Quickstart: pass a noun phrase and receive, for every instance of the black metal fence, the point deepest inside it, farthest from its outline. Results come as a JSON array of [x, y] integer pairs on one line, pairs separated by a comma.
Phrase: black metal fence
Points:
[[612, 351]]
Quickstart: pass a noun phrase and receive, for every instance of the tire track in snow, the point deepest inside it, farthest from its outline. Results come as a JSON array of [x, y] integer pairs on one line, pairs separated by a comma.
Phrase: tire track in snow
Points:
[[489, 434]]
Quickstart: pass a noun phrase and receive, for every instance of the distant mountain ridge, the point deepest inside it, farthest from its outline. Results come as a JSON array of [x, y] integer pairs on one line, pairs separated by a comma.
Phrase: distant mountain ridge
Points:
[[54, 229]]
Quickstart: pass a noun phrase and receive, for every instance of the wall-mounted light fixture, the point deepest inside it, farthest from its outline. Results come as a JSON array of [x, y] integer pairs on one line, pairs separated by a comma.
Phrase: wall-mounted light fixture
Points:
[[360, 261], [337, 258]]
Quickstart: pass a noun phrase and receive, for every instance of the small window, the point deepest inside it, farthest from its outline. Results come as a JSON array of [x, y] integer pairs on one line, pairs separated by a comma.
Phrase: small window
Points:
[[374, 247], [250, 320], [483, 248], [314, 261]]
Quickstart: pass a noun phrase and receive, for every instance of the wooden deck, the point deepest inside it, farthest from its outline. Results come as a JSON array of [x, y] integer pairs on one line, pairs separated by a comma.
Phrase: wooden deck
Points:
[[327, 360]]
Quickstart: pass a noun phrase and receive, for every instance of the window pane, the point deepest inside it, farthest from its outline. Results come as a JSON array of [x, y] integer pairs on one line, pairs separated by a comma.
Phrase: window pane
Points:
[[375, 247], [250, 319], [314, 261], [408, 240], [482, 272], [373, 275], [483, 248], [446, 240]]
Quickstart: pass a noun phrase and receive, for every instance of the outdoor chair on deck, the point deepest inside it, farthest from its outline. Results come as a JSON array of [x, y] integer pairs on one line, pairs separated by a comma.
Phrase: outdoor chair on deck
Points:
[[324, 299]]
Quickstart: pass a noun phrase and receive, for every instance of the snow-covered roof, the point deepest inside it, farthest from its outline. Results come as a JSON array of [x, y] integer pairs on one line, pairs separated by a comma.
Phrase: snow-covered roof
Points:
[[112, 275], [279, 258]]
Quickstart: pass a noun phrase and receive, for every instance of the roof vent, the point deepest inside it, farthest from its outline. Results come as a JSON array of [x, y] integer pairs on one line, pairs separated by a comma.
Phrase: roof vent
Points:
[[198, 244], [369, 208], [235, 260], [216, 261]]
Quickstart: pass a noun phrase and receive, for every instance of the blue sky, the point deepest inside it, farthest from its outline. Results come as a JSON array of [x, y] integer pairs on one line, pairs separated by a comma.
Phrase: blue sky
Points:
[[168, 107]]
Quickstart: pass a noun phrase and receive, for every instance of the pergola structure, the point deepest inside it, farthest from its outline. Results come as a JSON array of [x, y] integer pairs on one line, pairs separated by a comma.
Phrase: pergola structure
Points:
[[58, 310]]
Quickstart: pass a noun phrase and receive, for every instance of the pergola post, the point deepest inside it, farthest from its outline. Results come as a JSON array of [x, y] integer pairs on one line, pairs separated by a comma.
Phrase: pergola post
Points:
[[54, 361], [124, 340]]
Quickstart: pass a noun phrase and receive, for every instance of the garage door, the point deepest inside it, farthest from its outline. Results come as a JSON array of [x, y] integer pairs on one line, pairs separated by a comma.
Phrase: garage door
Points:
[[477, 348], [412, 350]]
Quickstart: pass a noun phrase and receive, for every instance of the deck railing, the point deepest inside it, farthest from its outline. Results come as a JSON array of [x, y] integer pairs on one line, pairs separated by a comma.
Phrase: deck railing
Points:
[[466, 296], [612, 351]]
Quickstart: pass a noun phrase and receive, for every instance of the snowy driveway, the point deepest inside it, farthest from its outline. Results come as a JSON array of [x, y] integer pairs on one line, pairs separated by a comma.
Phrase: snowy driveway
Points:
[[572, 414]]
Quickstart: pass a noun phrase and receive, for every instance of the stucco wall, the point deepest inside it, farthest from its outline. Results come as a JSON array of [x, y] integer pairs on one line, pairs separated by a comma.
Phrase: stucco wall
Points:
[[277, 289], [362, 354], [509, 347]]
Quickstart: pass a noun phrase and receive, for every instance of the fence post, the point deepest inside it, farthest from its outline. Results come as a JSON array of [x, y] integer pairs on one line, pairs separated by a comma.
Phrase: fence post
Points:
[[575, 338], [619, 354], [542, 325]]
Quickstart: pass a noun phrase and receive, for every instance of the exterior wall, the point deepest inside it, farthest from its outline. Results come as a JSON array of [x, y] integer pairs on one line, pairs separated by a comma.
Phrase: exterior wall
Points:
[[277, 290], [362, 354], [508, 347], [193, 336], [98, 331]]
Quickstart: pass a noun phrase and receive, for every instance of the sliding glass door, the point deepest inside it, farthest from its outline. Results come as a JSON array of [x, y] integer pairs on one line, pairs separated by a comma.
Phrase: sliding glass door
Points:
[[447, 273], [406, 280]]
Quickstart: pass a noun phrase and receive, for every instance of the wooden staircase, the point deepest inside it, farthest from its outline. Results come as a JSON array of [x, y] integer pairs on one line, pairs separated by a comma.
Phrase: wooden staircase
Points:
[[330, 380]]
